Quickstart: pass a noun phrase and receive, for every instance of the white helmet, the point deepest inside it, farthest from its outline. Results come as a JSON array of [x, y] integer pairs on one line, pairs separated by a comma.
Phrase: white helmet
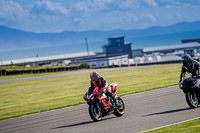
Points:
[[94, 76]]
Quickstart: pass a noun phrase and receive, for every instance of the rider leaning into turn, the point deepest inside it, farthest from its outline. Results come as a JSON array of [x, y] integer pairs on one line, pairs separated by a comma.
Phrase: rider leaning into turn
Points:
[[189, 65], [100, 82]]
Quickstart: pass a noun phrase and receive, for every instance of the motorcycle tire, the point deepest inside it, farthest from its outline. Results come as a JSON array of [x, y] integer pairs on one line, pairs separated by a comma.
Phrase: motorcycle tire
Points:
[[95, 114], [119, 111], [192, 99]]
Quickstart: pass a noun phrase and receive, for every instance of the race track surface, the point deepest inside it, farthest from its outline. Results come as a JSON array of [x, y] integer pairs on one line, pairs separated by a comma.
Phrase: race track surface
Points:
[[144, 111]]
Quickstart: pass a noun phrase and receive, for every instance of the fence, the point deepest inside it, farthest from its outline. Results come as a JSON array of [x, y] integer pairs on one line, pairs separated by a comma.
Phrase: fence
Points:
[[148, 63], [16, 72]]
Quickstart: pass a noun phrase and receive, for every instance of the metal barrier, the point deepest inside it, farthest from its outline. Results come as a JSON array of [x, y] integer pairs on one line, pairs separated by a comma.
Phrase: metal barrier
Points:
[[16, 72]]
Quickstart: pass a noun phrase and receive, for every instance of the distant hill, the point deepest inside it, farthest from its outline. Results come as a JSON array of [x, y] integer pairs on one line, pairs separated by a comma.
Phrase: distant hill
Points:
[[17, 39]]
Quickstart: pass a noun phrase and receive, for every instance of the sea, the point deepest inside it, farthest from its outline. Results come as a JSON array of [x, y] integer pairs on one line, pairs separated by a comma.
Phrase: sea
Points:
[[137, 43]]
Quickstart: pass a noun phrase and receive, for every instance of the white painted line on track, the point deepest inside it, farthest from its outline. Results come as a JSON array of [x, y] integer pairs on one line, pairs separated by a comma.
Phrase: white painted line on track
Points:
[[170, 124]]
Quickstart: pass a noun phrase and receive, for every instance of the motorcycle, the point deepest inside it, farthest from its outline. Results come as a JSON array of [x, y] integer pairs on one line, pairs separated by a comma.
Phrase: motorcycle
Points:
[[191, 88], [101, 105]]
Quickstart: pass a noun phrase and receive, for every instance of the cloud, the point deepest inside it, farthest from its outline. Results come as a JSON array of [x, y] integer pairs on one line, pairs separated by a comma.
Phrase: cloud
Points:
[[131, 18], [82, 6], [46, 7], [79, 15], [137, 4], [151, 3], [150, 16], [128, 4], [102, 4], [95, 5], [11, 10], [178, 15], [178, 2]]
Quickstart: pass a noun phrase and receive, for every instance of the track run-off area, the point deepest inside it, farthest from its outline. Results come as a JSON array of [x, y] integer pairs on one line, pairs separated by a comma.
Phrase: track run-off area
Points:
[[144, 111], [67, 74]]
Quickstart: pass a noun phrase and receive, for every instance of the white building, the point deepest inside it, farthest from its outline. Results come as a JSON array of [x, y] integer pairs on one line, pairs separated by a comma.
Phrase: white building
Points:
[[93, 60]]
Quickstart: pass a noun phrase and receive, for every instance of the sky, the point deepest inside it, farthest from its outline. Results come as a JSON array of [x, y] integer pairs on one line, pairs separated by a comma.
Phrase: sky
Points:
[[82, 15]]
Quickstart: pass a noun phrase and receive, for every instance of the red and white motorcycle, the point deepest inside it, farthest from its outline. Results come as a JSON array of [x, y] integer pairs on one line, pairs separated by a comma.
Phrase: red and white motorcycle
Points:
[[101, 105]]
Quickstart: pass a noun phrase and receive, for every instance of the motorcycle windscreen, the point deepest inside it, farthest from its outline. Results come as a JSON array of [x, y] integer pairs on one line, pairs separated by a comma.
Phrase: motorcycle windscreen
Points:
[[90, 90]]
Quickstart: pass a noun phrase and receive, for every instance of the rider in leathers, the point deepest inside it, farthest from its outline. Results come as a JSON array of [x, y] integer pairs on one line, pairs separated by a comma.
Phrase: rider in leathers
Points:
[[100, 82], [189, 65]]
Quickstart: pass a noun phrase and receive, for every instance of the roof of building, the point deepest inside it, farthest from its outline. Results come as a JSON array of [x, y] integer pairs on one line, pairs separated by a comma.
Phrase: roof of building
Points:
[[127, 43], [108, 44], [114, 37], [172, 47], [47, 58], [190, 40]]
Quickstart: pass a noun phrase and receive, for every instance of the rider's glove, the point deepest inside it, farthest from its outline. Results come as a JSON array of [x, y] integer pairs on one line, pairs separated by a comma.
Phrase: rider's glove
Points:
[[101, 92], [104, 90], [181, 84], [86, 99]]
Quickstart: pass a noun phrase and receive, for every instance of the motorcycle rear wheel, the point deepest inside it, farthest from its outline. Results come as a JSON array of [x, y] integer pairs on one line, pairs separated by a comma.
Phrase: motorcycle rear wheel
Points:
[[192, 99], [119, 111], [95, 114]]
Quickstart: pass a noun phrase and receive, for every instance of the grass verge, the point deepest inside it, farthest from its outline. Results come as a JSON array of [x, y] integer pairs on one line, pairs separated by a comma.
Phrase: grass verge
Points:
[[192, 126], [26, 97]]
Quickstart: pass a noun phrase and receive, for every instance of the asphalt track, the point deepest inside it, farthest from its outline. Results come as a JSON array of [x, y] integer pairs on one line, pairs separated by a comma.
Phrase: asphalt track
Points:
[[144, 111]]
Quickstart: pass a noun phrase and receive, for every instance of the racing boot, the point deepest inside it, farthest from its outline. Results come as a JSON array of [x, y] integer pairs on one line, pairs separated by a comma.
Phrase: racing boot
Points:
[[114, 97]]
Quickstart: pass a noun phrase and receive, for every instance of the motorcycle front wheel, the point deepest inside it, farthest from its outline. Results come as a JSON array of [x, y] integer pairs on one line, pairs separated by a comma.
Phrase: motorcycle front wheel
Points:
[[192, 99], [119, 111], [95, 113]]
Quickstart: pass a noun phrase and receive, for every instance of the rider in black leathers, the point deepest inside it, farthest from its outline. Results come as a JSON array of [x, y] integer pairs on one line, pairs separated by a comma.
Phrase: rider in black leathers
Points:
[[100, 82], [189, 65]]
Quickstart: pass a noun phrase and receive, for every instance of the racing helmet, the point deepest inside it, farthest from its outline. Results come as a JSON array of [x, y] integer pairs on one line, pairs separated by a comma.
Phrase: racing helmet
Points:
[[94, 76], [186, 59]]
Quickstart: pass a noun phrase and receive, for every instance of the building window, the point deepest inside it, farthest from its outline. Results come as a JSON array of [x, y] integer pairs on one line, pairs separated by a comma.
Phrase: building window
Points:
[[118, 40], [117, 44], [93, 65]]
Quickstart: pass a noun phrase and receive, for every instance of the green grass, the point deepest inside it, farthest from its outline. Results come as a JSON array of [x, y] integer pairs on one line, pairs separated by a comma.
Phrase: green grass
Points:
[[26, 97], [186, 127]]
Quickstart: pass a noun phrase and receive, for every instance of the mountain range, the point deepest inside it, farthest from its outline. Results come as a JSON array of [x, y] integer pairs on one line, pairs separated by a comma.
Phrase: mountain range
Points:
[[11, 39]]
